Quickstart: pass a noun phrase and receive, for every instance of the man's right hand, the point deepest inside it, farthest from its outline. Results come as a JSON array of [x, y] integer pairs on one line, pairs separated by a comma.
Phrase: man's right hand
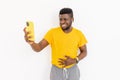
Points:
[[35, 46], [27, 38]]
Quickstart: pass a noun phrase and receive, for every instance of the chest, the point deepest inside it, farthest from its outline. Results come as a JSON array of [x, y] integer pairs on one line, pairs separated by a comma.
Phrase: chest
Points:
[[66, 40]]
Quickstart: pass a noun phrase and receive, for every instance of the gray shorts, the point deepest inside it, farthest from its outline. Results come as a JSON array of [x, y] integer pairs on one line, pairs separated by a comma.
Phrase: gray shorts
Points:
[[72, 73]]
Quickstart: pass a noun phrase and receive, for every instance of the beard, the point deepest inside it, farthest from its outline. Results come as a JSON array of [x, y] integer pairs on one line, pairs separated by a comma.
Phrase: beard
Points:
[[67, 28]]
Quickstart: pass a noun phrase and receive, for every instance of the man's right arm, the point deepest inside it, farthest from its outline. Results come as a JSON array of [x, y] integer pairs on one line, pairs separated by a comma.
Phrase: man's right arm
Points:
[[39, 46], [35, 46]]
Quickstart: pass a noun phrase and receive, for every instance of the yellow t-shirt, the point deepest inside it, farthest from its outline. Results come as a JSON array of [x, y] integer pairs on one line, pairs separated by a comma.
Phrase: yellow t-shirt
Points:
[[64, 44]]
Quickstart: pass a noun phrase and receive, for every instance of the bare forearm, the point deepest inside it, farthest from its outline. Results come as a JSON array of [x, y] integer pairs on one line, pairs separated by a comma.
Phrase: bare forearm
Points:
[[39, 46], [36, 47], [82, 55]]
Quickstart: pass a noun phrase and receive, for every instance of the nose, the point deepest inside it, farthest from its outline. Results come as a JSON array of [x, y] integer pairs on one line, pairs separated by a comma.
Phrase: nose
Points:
[[62, 21]]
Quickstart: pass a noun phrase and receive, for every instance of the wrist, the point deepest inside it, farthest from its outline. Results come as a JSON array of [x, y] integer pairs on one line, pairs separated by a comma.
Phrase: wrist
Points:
[[77, 59], [31, 43]]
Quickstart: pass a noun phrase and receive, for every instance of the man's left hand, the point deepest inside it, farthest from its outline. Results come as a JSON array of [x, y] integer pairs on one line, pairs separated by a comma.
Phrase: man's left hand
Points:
[[66, 62]]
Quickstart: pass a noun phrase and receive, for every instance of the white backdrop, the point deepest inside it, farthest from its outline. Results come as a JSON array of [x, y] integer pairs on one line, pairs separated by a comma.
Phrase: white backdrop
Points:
[[99, 20]]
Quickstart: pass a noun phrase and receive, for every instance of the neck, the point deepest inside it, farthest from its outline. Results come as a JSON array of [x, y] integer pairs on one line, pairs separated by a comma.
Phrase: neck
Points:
[[68, 30]]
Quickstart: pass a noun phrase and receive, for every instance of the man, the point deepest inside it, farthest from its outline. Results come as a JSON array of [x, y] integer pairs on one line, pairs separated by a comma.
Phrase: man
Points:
[[65, 42]]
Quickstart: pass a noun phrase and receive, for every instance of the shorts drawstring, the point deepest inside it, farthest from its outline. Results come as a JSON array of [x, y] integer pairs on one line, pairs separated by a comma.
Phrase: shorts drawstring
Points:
[[65, 73]]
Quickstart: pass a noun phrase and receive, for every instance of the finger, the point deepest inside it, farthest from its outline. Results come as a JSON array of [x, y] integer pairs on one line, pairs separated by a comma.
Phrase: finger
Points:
[[67, 57], [27, 35], [61, 59], [61, 62], [25, 30], [27, 38]]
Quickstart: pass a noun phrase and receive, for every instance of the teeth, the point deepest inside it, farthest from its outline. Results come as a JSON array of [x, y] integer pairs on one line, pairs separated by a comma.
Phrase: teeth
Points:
[[63, 25]]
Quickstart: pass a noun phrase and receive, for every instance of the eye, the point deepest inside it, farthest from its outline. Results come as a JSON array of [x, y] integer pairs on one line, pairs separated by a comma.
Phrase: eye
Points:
[[65, 19], [60, 19]]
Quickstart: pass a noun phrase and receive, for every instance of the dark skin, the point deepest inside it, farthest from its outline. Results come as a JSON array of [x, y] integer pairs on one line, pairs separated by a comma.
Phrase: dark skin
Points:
[[68, 61], [65, 23]]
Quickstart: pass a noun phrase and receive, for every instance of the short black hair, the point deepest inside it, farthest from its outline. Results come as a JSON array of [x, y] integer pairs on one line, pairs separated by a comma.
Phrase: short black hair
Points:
[[66, 11]]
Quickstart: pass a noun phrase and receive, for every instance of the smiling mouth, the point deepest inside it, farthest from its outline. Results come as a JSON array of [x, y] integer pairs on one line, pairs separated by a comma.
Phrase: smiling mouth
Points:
[[64, 25]]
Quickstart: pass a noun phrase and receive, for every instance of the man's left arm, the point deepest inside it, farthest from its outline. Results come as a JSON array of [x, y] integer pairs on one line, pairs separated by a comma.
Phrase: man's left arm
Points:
[[83, 52], [68, 61]]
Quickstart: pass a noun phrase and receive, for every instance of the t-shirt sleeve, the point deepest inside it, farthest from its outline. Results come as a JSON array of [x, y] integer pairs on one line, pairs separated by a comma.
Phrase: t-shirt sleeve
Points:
[[48, 36], [83, 40]]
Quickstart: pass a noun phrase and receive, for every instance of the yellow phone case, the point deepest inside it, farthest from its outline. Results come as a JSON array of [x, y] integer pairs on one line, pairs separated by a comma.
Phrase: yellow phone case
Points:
[[30, 29]]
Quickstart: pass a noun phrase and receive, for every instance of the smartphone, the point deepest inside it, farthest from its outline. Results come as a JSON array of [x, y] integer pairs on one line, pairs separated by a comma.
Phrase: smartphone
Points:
[[30, 29]]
